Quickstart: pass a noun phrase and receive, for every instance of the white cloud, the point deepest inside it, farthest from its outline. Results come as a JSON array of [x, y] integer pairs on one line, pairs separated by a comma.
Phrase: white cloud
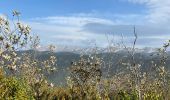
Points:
[[69, 30], [139, 1], [62, 30], [72, 20], [158, 10], [70, 37]]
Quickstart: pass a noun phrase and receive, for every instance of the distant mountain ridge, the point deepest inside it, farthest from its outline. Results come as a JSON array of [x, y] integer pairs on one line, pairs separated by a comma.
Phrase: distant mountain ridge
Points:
[[64, 60]]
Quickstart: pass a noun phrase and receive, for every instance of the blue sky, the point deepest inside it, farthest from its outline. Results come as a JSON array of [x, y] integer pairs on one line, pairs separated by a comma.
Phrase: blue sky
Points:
[[76, 23], [42, 8]]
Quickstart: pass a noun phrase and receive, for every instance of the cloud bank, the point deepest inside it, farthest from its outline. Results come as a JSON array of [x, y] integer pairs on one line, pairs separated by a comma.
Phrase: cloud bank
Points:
[[81, 29]]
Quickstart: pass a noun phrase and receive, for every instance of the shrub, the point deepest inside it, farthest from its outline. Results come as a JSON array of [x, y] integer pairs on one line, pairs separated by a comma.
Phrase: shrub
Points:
[[15, 88]]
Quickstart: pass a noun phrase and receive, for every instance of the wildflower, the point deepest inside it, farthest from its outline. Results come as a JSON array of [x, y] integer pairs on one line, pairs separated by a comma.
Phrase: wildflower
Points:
[[6, 56], [51, 84], [139, 65], [37, 81], [53, 69], [14, 53], [45, 81], [13, 67]]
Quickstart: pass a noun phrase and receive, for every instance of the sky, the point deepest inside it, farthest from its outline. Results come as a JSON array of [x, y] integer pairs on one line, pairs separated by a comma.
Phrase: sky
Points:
[[83, 23]]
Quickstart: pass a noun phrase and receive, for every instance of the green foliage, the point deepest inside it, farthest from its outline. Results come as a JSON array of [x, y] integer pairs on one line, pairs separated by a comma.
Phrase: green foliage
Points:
[[13, 88]]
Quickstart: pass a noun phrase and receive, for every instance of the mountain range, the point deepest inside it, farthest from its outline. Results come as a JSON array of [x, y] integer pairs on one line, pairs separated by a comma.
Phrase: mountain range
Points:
[[113, 62]]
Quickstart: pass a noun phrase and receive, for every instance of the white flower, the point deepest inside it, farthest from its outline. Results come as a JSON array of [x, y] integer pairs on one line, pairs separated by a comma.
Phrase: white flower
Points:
[[46, 82], [51, 84], [13, 67]]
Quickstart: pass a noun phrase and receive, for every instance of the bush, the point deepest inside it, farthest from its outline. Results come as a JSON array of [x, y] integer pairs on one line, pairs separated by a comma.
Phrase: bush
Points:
[[14, 88]]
